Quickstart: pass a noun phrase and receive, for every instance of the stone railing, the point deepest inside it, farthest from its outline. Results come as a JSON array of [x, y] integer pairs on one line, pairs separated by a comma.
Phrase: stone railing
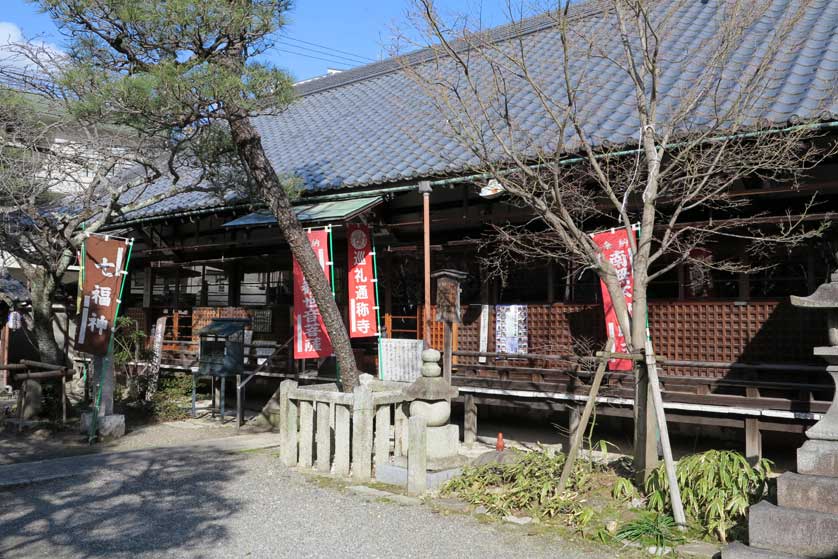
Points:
[[312, 418]]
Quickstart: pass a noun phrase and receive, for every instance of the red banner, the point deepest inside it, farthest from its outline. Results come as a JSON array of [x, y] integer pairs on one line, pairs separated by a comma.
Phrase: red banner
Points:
[[362, 316], [616, 248], [310, 338], [104, 270]]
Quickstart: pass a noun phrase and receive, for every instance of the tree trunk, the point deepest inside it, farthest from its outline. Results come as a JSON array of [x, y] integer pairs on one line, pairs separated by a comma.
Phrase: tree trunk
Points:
[[42, 289], [249, 146]]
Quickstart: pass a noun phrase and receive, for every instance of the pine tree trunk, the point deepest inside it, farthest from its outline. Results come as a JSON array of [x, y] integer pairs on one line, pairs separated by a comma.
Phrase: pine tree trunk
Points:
[[42, 289], [249, 147]]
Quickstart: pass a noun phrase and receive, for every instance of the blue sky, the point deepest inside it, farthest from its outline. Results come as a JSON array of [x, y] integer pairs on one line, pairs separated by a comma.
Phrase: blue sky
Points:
[[362, 28]]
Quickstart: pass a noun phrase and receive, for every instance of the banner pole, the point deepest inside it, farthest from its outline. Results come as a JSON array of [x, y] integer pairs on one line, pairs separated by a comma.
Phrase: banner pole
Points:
[[377, 304], [107, 361]]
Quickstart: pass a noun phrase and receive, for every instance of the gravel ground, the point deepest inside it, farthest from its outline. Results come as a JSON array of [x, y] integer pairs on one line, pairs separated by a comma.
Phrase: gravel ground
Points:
[[189, 503], [42, 444]]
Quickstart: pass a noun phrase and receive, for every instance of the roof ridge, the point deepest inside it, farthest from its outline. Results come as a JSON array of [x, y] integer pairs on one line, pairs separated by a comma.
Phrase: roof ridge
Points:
[[513, 29]]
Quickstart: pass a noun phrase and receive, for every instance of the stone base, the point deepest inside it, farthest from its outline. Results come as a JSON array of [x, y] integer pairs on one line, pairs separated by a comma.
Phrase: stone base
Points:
[[816, 493], [109, 427], [443, 442], [793, 531], [396, 474], [737, 550], [818, 458]]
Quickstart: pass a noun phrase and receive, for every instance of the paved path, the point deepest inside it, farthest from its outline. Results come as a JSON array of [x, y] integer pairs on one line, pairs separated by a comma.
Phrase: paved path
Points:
[[25, 473], [199, 502]]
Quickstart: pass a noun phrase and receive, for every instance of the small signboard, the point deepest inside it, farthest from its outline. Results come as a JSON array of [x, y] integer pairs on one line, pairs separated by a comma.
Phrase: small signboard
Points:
[[401, 360]]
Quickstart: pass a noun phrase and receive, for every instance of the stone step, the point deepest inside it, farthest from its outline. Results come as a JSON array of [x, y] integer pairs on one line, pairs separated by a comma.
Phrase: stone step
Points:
[[798, 532], [818, 493], [738, 550]]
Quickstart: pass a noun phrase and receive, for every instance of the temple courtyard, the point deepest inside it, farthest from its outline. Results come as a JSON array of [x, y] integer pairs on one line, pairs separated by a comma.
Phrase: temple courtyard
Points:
[[231, 497]]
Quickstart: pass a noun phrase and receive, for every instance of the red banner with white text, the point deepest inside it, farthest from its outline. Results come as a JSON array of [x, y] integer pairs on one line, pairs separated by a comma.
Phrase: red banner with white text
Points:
[[616, 248], [362, 316], [104, 263], [310, 338]]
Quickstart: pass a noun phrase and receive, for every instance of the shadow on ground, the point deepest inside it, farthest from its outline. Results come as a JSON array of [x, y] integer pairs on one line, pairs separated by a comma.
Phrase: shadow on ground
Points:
[[149, 501]]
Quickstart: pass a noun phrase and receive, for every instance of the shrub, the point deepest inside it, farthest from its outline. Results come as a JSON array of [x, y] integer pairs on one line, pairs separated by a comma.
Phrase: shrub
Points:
[[717, 487], [530, 483]]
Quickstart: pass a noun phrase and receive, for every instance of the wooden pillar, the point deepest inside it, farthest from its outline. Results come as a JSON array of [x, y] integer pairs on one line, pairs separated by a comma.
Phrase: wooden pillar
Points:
[[551, 282], [148, 285], [388, 293], [645, 432], [753, 437], [425, 189], [233, 286], [573, 417], [4, 353], [203, 298], [177, 289], [447, 350]]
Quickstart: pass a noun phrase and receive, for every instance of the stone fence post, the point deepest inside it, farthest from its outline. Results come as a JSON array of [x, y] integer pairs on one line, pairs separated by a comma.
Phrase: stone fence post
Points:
[[287, 423], [362, 433], [417, 456]]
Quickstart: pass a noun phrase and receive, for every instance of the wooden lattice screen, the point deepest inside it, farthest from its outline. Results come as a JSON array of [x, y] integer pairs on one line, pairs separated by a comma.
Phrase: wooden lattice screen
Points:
[[754, 332]]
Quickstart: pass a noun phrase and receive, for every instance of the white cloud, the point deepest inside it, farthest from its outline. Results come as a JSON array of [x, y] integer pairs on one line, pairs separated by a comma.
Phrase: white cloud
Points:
[[10, 33], [13, 44]]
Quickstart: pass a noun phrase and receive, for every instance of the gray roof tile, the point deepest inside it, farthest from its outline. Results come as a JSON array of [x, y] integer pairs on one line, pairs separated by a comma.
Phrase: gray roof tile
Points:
[[373, 125]]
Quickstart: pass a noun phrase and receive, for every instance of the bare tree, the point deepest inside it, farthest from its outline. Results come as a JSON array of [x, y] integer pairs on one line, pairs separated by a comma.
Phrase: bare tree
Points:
[[699, 108]]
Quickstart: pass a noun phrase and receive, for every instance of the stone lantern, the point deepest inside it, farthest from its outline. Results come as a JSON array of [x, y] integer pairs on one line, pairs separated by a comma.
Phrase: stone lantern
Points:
[[823, 436], [804, 523], [432, 396]]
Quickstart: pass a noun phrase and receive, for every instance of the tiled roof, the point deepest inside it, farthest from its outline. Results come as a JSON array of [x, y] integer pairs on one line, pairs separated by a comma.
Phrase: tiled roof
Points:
[[374, 125]]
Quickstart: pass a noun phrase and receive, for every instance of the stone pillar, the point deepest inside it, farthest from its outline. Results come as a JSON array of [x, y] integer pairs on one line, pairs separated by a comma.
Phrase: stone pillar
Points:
[[362, 433], [324, 438], [469, 420], [417, 456]]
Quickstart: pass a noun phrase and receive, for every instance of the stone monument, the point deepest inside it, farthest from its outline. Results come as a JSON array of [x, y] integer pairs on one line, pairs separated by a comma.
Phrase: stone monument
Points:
[[804, 523], [432, 396]]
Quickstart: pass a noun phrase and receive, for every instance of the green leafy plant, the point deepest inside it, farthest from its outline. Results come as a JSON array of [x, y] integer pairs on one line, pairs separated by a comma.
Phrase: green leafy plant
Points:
[[529, 483], [651, 529], [717, 487], [624, 490]]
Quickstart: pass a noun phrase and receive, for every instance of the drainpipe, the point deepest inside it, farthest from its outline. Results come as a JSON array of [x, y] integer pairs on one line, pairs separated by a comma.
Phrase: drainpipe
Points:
[[425, 189]]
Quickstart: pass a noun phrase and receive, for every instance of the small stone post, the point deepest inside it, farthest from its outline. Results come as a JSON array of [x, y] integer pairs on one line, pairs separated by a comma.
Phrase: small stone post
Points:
[[342, 418], [287, 424], [362, 432], [324, 438], [417, 456], [382, 435], [306, 433], [470, 420]]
